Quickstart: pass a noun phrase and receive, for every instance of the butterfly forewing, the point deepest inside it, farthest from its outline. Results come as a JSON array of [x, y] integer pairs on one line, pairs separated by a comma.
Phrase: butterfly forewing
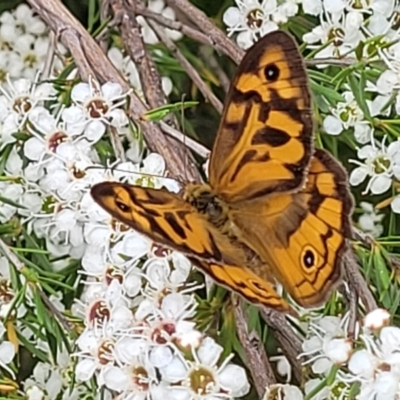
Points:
[[167, 219], [264, 143]]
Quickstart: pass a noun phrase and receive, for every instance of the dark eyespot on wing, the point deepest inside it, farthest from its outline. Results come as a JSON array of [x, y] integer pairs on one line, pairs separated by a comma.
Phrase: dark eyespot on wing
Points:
[[122, 206], [271, 72], [309, 258]]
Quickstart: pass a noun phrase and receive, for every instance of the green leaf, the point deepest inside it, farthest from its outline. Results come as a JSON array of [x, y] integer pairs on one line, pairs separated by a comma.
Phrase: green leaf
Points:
[[358, 89], [159, 113]]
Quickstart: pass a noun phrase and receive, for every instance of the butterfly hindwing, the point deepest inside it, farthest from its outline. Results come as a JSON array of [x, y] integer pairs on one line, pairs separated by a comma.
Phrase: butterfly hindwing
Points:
[[303, 235], [245, 282]]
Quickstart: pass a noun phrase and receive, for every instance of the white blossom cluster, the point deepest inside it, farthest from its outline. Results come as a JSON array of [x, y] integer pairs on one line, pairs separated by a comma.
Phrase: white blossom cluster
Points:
[[24, 43], [137, 338], [365, 367]]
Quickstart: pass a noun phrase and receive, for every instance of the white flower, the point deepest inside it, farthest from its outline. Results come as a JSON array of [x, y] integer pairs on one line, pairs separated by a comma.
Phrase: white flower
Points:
[[12, 192], [22, 19], [252, 19], [51, 139], [95, 108], [377, 367], [202, 378], [380, 164], [18, 101], [312, 384], [45, 378], [327, 345], [382, 18], [127, 67], [388, 84], [278, 391], [370, 220], [340, 33], [348, 115], [312, 7], [376, 319]]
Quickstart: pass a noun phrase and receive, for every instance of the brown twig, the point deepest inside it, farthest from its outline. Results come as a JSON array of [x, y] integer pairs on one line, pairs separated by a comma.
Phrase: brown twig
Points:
[[187, 141], [224, 46], [357, 282], [344, 62], [257, 361], [353, 314], [135, 47], [208, 57], [104, 36], [91, 61], [289, 342], [193, 74], [218, 38], [117, 145], [46, 70], [235, 53]]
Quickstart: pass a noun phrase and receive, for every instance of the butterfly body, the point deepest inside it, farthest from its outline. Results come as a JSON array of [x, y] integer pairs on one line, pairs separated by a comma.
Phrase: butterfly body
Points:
[[273, 208]]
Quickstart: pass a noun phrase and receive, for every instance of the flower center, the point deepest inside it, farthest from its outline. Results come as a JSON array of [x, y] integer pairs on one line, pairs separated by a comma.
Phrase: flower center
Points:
[[56, 139], [358, 4], [140, 378], [105, 352], [30, 60], [396, 21], [22, 105], [160, 251], [119, 226], [381, 164], [6, 292], [254, 19], [3, 75], [336, 35], [98, 313], [202, 381], [97, 108], [160, 334], [77, 172], [349, 114], [112, 273]]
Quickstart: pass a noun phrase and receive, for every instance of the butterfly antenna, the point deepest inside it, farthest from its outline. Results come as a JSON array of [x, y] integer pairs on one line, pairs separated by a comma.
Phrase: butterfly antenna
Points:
[[185, 160]]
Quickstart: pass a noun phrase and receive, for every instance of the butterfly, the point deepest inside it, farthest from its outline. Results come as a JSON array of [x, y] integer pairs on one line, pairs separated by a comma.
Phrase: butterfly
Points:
[[275, 208]]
